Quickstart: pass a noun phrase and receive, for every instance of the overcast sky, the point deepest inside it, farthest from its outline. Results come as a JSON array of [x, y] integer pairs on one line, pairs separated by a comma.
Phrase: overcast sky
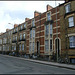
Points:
[[15, 12]]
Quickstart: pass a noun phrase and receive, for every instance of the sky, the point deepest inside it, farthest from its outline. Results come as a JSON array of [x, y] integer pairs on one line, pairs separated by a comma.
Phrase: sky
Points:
[[15, 12]]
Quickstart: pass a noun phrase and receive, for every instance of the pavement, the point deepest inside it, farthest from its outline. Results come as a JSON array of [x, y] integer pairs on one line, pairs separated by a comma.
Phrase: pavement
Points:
[[68, 66]]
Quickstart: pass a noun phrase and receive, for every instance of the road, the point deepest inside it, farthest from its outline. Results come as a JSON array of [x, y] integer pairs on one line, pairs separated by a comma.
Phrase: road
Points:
[[12, 65]]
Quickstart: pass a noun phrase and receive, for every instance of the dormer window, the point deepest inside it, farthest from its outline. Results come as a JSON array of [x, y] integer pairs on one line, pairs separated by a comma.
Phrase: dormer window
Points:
[[48, 16], [33, 24], [67, 8]]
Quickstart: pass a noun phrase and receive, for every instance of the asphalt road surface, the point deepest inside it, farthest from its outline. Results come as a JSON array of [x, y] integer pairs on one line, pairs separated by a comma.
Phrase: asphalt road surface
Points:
[[12, 65]]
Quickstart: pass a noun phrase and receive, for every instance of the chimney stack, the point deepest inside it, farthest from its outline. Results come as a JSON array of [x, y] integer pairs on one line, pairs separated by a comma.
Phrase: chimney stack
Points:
[[7, 30], [15, 25], [26, 19], [49, 7], [36, 13]]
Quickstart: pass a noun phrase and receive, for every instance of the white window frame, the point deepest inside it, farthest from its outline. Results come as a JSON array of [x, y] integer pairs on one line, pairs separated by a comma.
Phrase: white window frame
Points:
[[71, 21], [46, 30], [67, 8], [30, 34], [72, 41], [0, 41], [23, 35], [0, 48], [22, 47], [19, 46], [46, 45], [33, 22], [24, 25], [48, 16], [33, 46], [33, 33], [20, 36], [51, 30]]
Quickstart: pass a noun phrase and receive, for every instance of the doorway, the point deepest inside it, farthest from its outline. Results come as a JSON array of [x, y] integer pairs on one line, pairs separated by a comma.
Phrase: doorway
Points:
[[57, 46], [38, 48]]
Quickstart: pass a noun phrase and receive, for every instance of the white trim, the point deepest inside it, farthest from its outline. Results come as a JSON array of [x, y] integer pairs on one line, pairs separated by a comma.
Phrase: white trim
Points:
[[57, 20], [56, 33], [40, 19], [69, 16], [56, 27], [54, 13], [39, 26], [67, 3], [72, 34], [40, 31]]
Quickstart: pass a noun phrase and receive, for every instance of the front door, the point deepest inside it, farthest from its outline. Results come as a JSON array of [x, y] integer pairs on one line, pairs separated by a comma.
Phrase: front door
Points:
[[57, 47], [38, 47]]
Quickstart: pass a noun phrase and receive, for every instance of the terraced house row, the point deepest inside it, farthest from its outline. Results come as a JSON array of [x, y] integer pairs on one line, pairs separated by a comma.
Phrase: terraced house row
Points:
[[48, 34]]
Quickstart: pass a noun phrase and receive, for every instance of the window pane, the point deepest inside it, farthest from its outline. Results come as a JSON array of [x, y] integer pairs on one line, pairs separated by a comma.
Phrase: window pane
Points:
[[21, 26], [22, 46], [24, 25], [70, 19], [48, 16], [47, 30], [30, 33], [14, 47], [33, 46], [72, 41], [24, 36], [33, 33], [20, 36], [51, 31], [71, 22], [67, 8], [46, 45], [33, 23]]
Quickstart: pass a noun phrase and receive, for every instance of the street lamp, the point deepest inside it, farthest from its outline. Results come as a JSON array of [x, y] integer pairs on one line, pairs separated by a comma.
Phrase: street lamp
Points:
[[56, 32]]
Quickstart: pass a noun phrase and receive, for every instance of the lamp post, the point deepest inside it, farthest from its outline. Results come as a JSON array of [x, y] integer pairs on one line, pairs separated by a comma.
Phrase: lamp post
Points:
[[56, 32]]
